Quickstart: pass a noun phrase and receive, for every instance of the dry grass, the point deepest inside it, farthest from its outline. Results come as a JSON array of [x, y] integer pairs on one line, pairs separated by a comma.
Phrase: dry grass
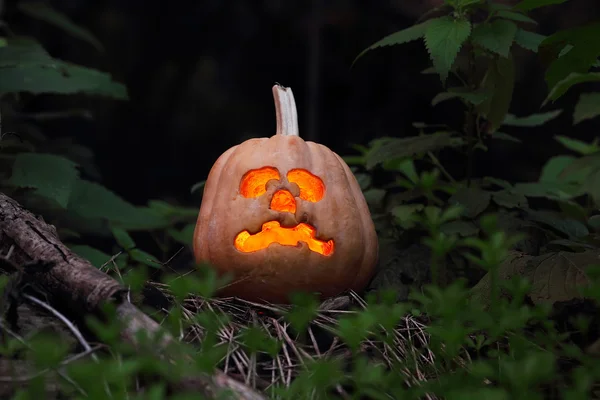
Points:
[[409, 346]]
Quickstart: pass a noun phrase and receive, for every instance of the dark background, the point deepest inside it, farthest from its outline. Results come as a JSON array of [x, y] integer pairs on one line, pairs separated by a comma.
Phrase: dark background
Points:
[[199, 75]]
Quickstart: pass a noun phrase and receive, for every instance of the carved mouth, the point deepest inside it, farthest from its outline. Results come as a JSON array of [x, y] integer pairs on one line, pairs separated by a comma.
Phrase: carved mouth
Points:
[[273, 232]]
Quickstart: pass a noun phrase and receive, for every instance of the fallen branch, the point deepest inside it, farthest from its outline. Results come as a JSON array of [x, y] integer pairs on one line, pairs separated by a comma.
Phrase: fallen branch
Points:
[[73, 286]]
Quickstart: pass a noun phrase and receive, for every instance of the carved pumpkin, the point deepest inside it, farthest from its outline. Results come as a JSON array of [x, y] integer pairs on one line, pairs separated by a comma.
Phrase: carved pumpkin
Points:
[[284, 215]]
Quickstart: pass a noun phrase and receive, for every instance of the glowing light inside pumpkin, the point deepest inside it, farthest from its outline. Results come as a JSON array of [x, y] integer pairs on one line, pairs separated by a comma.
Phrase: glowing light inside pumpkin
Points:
[[311, 186], [254, 182], [273, 232], [283, 201]]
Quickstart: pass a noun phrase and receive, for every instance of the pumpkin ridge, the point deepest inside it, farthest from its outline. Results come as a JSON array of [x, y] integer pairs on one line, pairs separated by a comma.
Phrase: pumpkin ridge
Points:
[[358, 197], [203, 223]]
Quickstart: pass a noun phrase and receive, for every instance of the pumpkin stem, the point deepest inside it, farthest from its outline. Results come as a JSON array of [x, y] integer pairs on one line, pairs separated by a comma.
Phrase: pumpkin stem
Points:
[[285, 110]]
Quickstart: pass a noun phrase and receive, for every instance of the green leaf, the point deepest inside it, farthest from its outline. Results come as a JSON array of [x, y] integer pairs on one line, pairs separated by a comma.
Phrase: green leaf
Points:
[[404, 36], [26, 67], [499, 80], [579, 58], [570, 227], [91, 200], [183, 236], [554, 167], [123, 238], [592, 186], [529, 40], [43, 11], [594, 222], [444, 37], [144, 258], [528, 5], [462, 228], [531, 120], [393, 148], [405, 214], [505, 136], [462, 3], [52, 176], [168, 210], [578, 145], [515, 16], [587, 107], [573, 79], [475, 98], [496, 36], [474, 201], [96, 257], [509, 199]]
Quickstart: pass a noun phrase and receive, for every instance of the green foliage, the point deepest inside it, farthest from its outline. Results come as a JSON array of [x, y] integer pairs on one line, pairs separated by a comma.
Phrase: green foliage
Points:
[[580, 55], [499, 80], [444, 38], [529, 40], [528, 5], [496, 36], [52, 177], [404, 36], [26, 67], [587, 107], [531, 120]]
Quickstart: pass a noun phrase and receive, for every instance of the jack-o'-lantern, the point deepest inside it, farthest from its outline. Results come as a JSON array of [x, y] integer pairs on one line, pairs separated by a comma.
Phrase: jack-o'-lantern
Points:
[[282, 215]]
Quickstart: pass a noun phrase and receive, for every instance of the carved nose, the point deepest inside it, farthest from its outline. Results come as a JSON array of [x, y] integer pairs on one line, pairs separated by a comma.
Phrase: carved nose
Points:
[[283, 201]]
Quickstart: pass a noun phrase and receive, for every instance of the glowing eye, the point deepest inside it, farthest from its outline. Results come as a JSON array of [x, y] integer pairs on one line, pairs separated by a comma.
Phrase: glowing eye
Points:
[[311, 186], [254, 182]]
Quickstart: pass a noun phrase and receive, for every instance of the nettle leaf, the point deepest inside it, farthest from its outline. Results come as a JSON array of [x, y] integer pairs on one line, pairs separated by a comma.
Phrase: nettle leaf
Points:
[[405, 215], [505, 136], [499, 80], [53, 177], [529, 40], [528, 5], [531, 120], [183, 236], [515, 16], [444, 38], [552, 170], [123, 238], [94, 201], [474, 98], [474, 201], [43, 11], [404, 36], [579, 58], [26, 67], [588, 107], [96, 257], [509, 199], [462, 228], [592, 186], [578, 146], [555, 277], [144, 258], [462, 3], [496, 36], [570, 227], [393, 148], [573, 79]]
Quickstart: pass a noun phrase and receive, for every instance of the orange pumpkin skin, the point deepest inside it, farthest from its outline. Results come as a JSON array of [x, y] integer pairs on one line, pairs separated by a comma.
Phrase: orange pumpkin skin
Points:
[[341, 218]]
